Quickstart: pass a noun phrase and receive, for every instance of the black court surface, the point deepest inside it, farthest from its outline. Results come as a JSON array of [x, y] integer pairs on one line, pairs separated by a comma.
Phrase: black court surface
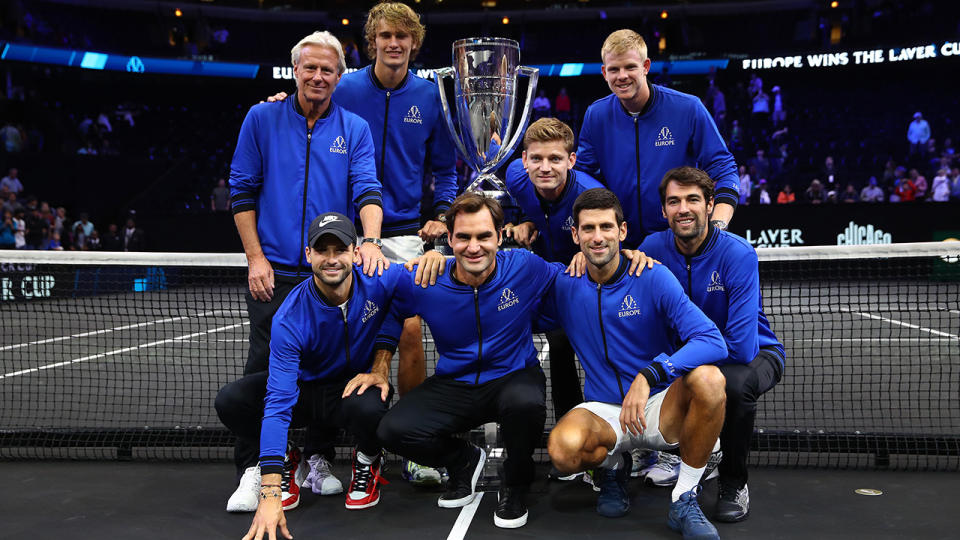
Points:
[[82, 500]]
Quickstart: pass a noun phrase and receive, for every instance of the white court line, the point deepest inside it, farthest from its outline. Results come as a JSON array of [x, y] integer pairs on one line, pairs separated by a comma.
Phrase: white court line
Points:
[[108, 330], [463, 520], [901, 323], [119, 351], [868, 340]]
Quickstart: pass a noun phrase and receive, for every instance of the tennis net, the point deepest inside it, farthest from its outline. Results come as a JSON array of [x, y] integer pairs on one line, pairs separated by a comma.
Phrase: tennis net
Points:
[[112, 355]]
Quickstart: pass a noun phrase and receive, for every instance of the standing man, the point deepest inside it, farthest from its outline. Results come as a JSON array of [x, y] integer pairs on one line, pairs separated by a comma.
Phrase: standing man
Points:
[[295, 159], [487, 369], [545, 186], [643, 393], [719, 272], [329, 364], [641, 130]]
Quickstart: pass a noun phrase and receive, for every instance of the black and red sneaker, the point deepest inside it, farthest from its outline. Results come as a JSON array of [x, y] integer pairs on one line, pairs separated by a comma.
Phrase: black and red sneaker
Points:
[[365, 483], [291, 479]]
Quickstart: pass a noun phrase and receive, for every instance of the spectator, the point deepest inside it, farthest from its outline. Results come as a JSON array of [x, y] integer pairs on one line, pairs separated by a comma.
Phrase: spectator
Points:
[[541, 105], [918, 134], [746, 186], [111, 241], [815, 193], [84, 226], [132, 237], [761, 164], [61, 221], [903, 191], [12, 204], [762, 196], [920, 183], [736, 136], [12, 137], [11, 183], [830, 172], [52, 242], [561, 106], [19, 230], [717, 103], [779, 110], [761, 111], [786, 195], [755, 86], [37, 228], [872, 192], [948, 150], [955, 184], [93, 243], [7, 228], [849, 195], [220, 197], [941, 187]]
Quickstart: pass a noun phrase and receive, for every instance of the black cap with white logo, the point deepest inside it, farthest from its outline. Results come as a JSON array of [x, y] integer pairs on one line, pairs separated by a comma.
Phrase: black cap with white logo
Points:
[[332, 223]]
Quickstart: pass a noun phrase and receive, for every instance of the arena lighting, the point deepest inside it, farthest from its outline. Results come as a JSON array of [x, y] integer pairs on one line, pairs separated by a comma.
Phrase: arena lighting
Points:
[[345, 21], [178, 13], [664, 14], [834, 4], [488, 3], [505, 20]]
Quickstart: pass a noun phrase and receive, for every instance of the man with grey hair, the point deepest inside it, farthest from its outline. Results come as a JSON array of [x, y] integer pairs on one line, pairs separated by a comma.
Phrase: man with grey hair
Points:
[[294, 160]]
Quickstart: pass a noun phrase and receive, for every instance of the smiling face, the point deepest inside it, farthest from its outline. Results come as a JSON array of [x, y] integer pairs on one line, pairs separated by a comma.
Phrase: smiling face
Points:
[[547, 163], [393, 45], [626, 75], [686, 210], [317, 73], [331, 260], [599, 236], [475, 241]]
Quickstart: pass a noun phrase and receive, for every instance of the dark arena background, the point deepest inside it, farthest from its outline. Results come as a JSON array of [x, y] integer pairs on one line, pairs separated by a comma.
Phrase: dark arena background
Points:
[[124, 114]]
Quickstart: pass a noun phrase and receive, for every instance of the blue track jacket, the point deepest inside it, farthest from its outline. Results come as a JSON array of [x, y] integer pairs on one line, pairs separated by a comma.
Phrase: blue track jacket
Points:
[[632, 325], [409, 132], [314, 340], [630, 155], [290, 174], [482, 333], [552, 219], [722, 279]]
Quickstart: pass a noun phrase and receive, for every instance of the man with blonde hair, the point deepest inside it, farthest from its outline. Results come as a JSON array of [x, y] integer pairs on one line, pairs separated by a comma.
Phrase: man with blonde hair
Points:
[[294, 160], [630, 138]]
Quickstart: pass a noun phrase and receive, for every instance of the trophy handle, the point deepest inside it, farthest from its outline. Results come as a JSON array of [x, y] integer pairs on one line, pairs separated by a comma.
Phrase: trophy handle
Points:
[[507, 149], [440, 75]]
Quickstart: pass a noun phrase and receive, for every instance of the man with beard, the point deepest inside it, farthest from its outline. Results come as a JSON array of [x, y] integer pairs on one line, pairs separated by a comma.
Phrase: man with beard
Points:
[[719, 272], [327, 349], [644, 393]]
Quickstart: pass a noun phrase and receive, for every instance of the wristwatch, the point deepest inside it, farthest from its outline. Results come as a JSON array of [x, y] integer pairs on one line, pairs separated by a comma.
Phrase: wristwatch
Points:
[[375, 241], [720, 224]]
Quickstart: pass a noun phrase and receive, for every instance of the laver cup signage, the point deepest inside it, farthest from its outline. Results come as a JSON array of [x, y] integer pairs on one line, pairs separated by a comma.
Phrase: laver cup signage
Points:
[[25, 282], [21, 282]]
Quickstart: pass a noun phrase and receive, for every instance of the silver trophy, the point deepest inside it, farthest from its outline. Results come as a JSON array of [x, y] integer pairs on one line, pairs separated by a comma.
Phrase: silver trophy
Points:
[[485, 72]]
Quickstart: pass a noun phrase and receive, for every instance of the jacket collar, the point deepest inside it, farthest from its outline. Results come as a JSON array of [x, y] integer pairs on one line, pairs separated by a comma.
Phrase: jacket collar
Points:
[[621, 270], [318, 294], [376, 82], [299, 110]]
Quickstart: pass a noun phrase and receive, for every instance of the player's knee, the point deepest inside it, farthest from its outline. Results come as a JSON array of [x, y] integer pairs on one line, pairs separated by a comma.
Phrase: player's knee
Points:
[[390, 432], [707, 383], [564, 446], [226, 401], [366, 407]]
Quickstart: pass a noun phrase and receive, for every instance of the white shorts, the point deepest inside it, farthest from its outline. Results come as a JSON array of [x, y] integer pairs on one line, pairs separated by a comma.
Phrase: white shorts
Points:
[[650, 438], [400, 249]]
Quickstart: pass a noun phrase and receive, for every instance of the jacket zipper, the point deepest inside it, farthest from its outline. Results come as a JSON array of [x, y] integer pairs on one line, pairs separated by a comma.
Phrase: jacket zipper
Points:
[[476, 311], [689, 277], [303, 215], [636, 131], [346, 333], [603, 334], [383, 145]]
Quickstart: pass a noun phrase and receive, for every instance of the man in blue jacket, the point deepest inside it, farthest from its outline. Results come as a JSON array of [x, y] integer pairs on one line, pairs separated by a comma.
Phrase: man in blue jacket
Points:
[[641, 130], [641, 393], [296, 159], [719, 272], [545, 185], [479, 313]]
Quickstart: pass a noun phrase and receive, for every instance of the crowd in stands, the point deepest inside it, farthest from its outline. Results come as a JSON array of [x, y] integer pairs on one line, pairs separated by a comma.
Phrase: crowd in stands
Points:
[[29, 223]]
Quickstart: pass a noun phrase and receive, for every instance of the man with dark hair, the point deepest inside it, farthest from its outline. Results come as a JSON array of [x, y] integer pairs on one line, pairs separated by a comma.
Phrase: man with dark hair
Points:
[[293, 160], [629, 138], [545, 186], [645, 393], [719, 272]]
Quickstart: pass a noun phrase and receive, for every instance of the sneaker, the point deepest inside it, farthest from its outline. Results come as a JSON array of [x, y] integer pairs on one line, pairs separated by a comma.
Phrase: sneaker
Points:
[[320, 479], [589, 477], [555, 474], [418, 475], [664, 472], [614, 501], [293, 475], [642, 458], [687, 518], [247, 496], [461, 488], [365, 484], [713, 462], [734, 504], [511, 508]]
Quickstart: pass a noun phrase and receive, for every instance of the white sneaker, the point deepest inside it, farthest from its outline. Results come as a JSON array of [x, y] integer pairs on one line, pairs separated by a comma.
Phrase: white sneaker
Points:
[[712, 470], [320, 479], [247, 496], [643, 458], [664, 472], [419, 475]]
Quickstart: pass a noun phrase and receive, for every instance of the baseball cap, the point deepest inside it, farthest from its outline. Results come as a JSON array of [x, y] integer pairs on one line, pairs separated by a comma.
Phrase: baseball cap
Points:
[[332, 223]]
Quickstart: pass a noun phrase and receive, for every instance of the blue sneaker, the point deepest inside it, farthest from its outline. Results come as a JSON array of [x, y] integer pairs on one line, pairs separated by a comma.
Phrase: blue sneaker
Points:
[[687, 518], [614, 501]]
